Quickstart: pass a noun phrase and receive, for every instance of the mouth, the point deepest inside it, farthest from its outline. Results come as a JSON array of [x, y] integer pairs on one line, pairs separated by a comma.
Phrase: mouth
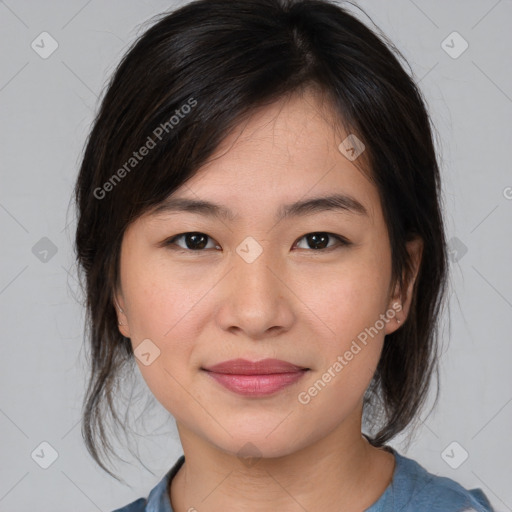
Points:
[[262, 367], [258, 378]]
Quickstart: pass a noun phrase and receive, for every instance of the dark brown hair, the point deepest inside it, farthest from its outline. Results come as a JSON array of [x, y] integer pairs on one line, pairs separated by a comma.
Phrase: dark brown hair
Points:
[[224, 59]]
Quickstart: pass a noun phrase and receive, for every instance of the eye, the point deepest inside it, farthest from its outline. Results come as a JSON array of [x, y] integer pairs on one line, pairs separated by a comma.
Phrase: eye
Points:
[[319, 240], [194, 241]]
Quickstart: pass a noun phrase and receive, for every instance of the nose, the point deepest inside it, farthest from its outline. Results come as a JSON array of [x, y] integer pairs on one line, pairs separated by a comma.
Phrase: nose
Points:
[[256, 299]]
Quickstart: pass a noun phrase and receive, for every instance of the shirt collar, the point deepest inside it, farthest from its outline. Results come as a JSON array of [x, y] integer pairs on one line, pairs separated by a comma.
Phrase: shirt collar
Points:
[[158, 499]]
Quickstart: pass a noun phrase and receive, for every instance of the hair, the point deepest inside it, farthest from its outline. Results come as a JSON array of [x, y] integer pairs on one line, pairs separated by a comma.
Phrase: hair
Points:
[[195, 74]]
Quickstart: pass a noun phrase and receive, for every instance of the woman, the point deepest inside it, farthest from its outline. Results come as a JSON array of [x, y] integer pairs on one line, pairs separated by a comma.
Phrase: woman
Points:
[[260, 230]]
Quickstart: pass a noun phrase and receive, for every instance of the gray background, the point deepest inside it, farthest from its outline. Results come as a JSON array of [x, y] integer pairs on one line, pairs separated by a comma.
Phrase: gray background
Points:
[[47, 105]]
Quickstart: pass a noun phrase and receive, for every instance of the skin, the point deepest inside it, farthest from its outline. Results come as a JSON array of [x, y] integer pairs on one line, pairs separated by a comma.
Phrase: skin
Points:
[[294, 302]]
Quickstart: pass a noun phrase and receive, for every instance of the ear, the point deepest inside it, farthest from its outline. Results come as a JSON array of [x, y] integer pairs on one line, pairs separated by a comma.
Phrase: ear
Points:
[[122, 319], [401, 299]]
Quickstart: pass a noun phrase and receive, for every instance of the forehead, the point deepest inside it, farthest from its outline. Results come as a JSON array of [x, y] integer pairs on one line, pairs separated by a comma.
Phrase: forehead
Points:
[[281, 155]]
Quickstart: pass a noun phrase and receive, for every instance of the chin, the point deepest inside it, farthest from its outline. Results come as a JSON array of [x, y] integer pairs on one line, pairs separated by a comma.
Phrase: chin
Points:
[[249, 445]]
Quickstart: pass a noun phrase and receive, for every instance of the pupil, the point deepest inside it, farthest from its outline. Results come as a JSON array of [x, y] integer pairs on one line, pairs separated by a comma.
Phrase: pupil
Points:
[[195, 237], [314, 240]]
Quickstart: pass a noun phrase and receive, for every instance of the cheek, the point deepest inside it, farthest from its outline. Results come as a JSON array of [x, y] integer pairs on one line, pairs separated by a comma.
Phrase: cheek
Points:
[[161, 296], [162, 309], [347, 301], [348, 297], [348, 308]]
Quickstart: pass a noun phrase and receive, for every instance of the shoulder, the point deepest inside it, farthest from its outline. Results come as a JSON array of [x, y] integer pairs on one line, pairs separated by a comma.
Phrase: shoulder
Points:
[[136, 506], [158, 499], [420, 491]]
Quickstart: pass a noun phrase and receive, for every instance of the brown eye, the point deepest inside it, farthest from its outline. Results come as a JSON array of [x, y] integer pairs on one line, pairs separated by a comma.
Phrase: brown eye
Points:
[[194, 241], [320, 240]]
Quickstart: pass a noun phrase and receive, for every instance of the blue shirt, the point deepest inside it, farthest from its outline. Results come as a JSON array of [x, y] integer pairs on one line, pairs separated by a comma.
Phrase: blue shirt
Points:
[[412, 489]]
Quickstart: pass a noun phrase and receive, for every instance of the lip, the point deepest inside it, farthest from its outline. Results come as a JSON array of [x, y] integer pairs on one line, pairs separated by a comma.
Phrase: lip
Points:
[[262, 367], [258, 378]]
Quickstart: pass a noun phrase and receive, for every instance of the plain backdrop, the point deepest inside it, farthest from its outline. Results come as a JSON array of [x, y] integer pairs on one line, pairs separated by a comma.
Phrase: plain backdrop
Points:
[[47, 103]]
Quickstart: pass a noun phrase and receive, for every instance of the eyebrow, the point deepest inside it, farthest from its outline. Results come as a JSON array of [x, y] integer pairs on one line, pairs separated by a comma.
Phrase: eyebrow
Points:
[[333, 202]]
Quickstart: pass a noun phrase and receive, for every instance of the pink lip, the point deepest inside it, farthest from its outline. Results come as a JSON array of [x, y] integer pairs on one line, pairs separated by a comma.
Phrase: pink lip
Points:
[[262, 367], [257, 378]]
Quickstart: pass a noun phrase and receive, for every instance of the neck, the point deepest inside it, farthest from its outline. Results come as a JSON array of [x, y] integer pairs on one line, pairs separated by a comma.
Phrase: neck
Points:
[[338, 472]]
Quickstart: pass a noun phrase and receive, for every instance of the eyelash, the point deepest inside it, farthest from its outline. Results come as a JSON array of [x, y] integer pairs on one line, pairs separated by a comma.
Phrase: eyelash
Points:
[[342, 242]]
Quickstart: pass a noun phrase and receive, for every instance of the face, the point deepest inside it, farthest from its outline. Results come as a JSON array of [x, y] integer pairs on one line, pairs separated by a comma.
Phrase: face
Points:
[[312, 288]]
